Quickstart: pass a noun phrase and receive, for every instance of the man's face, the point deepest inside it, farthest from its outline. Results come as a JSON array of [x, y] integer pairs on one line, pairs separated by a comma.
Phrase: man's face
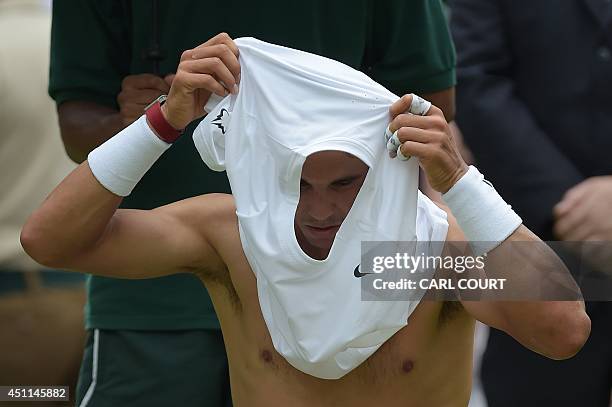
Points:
[[329, 185]]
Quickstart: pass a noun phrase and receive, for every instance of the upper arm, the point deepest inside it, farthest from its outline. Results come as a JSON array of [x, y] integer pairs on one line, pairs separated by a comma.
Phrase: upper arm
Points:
[[153, 243]]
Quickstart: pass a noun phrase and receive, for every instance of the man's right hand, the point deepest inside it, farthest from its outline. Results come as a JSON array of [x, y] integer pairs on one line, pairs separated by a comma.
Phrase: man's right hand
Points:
[[137, 91], [430, 139], [209, 68]]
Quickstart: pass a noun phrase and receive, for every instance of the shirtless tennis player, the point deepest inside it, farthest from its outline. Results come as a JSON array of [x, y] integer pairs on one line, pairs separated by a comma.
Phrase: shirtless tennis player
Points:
[[426, 363]]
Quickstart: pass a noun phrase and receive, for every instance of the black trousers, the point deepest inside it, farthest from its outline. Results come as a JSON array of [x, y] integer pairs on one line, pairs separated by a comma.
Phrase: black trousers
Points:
[[513, 376]]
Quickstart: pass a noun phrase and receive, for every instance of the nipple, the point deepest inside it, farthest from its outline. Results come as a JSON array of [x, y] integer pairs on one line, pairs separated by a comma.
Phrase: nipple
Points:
[[407, 366], [266, 355]]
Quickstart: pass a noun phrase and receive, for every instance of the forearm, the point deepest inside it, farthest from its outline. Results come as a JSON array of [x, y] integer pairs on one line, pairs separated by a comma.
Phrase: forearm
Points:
[[86, 125], [78, 213], [539, 304]]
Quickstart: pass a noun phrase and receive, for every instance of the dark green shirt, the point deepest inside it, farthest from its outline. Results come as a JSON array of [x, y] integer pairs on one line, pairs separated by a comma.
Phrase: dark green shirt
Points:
[[402, 44]]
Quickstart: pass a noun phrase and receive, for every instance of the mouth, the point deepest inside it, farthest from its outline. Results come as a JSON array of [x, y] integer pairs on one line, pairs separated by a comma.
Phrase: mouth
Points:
[[326, 231]]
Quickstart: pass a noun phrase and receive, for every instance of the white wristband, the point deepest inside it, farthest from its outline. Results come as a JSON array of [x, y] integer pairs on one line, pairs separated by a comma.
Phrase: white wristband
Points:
[[483, 215], [124, 159]]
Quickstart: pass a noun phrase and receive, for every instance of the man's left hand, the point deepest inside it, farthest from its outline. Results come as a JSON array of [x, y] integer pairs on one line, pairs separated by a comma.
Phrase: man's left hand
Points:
[[430, 139]]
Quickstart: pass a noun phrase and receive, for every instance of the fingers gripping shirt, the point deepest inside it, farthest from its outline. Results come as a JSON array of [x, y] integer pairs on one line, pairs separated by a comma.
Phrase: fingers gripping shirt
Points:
[[292, 104]]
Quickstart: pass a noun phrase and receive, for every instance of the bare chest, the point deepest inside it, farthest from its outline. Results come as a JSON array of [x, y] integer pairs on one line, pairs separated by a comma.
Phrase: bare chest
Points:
[[433, 347], [410, 368]]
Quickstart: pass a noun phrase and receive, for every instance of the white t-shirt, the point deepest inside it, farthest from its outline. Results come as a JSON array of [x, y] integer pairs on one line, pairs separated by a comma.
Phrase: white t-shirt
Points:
[[292, 104]]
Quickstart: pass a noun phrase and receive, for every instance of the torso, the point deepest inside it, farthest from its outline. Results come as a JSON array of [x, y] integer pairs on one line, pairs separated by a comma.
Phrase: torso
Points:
[[426, 363]]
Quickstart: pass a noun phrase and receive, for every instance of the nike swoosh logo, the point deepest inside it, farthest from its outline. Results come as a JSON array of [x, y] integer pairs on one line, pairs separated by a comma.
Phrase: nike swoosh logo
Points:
[[359, 274]]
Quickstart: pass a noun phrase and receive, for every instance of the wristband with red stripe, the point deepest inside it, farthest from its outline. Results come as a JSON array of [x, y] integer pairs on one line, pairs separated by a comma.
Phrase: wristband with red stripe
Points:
[[158, 122]]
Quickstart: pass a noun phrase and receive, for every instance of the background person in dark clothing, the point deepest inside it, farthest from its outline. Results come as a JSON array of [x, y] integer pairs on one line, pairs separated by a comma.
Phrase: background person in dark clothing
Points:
[[534, 106], [151, 344]]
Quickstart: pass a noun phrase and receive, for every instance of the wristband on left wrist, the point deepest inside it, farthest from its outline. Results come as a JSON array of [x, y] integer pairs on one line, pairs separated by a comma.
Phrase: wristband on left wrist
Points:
[[483, 215]]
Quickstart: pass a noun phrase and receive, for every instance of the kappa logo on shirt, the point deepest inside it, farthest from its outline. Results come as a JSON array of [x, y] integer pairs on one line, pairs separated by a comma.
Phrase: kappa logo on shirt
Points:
[[218, 121]]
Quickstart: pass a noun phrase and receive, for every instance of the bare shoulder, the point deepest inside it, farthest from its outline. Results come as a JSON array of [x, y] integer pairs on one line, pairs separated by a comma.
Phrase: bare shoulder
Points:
[[226, 275], [212, 217]]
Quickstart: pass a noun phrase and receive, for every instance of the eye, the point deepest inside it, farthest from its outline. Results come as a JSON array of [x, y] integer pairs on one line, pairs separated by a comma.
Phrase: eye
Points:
[[344, 182], [304, 184]]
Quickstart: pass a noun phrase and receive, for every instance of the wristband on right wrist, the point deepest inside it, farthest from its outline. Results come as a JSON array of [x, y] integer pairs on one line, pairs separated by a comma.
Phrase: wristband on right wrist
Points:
[[483, 215], [158, 122], [120, 162]]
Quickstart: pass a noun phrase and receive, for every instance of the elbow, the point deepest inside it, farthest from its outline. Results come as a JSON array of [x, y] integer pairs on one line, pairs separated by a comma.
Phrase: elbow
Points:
[[566, 335], [37, 246], [76, 156], [72, 151]]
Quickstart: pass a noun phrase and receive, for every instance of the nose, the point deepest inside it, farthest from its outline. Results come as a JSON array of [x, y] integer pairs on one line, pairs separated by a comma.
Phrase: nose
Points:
[[321, 208]]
